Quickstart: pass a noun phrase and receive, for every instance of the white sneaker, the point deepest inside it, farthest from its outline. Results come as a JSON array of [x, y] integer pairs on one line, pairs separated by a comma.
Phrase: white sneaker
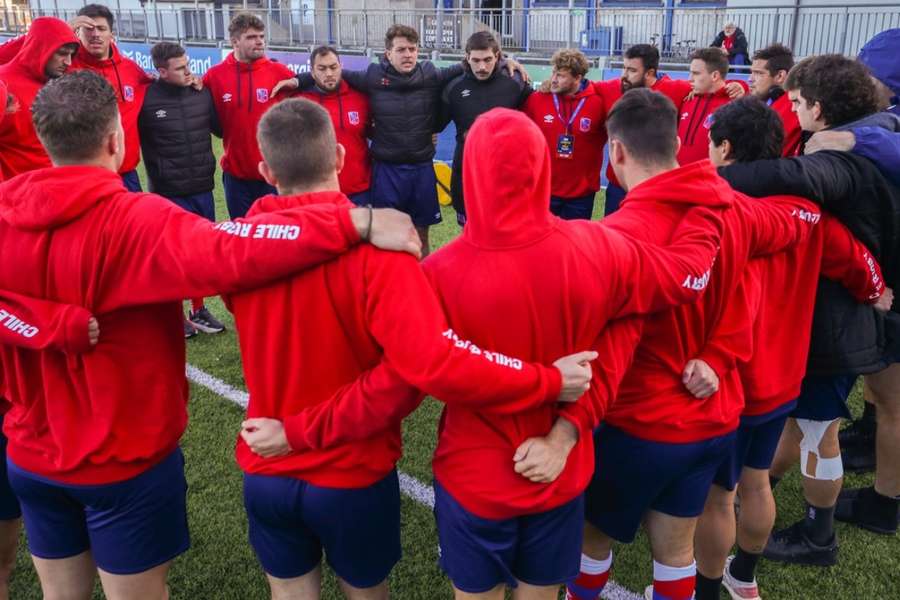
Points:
[[737, 589]]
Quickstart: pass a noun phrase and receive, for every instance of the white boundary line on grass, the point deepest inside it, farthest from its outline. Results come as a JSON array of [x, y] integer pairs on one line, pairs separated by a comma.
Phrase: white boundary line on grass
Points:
[[409, 485]]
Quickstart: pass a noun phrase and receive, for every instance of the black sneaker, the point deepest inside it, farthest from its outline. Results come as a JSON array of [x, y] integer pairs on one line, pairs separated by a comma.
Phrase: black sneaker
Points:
[[864, 508], [858, 458], [205, 322], [860, 432], [792, 545], [189, 330]]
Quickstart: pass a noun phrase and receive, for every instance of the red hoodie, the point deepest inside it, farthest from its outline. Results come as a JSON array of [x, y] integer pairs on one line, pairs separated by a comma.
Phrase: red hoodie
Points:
[[10, 48], [242, 94], [792, 130], [783, 322], [364, 307], [579, 174], [653, 403], [75, 235], [130, 83], [20, 148], [537, 287], [349, 112], [694, 124]]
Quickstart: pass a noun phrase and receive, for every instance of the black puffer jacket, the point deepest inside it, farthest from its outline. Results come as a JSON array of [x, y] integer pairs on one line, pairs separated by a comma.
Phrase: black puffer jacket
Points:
[[405, 108], [847, 337], [175, 126]]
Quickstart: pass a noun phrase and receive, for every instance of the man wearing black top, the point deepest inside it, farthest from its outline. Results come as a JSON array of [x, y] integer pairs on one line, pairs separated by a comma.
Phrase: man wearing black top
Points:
[[175, 125], [482, 86]]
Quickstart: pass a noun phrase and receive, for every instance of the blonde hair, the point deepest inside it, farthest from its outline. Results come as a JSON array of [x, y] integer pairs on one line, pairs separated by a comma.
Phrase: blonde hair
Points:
[[572, 60]]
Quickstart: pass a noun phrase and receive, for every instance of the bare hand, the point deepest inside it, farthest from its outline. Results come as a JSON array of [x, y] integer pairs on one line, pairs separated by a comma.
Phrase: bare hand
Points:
[[285, 84], [541, 460], [843, 141], [196, 83], [700, 379], [265, 437], [82, 21], [93, 331], [576, 375], [513, 66], [391, 229], [734, 90], [885, 301]]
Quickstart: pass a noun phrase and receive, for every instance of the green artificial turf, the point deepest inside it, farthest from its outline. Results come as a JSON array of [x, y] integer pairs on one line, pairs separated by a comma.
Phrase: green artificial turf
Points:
[[221, 565]]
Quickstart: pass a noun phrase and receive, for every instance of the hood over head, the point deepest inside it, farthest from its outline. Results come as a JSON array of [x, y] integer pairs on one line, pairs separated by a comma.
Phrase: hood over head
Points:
[[49, 198], [506, 181], [695, 184], [880, 56], [45, 36]]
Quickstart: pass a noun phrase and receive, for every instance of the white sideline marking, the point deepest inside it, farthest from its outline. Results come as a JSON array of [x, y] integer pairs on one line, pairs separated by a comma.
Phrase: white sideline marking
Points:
[[409, 485]]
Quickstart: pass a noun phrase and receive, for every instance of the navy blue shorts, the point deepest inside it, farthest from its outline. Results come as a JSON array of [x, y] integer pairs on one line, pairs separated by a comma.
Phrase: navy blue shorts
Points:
[[479, 554], [755, 445], [572, 208], [614, 197], [824, 398], [361, 198], [633, 476], [240, 194], [132, 181], [201, 204], [9, 504], [129, 527], [409, 188], [292, 521]]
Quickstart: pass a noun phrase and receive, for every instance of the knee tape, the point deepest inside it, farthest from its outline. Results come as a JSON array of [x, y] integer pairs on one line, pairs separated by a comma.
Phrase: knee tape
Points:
[[827, 469]]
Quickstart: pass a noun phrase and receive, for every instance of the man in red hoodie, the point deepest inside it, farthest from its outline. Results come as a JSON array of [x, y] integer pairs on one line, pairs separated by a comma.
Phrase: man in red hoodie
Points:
[[94, 26], [349, 111], [241, 86], [571, 117], [748, 130], [33, 324], [659, 447], [111, 495], [45, 53], [708, 70], [512, 522], [380, 307], [768, 73]]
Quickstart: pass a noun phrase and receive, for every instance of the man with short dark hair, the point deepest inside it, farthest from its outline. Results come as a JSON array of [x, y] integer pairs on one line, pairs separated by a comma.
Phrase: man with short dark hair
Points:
[[484, 85], [379, 307], [768, 71], [673, 420], [743, 131], [349, 111], [112, 497], [45, 53], [709, 67], [571, 116], [242, 90], [94, 25], [175, 124]]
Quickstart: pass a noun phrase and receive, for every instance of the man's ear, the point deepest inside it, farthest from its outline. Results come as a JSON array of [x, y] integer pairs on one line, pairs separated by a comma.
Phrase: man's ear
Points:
[[339, 158], [780, 77], [677, 145], [267, 174], [616, 152], [817, 111], [112, 143]]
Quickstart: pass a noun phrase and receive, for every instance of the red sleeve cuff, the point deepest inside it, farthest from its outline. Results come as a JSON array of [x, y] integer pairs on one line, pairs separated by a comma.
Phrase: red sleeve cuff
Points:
[[578, 415], [720, 362], [554, 383], [76, 329], [347, 226], [293, 431]]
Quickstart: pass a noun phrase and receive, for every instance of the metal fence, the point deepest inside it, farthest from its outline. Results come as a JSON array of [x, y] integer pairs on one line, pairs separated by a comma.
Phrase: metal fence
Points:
[[598, 31]]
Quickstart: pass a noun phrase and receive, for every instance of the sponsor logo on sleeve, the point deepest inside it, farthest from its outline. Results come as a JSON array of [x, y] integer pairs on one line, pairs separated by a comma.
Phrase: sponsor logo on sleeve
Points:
[[17, 325]]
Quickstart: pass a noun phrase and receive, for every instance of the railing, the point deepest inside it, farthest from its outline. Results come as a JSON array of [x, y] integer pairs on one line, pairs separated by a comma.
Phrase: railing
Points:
[[540, 31]]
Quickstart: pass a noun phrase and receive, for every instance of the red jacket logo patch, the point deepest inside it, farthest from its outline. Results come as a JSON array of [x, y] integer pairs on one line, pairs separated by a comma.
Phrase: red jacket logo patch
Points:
[[353, 117], [128, 93], [585, 124], [262, 95]]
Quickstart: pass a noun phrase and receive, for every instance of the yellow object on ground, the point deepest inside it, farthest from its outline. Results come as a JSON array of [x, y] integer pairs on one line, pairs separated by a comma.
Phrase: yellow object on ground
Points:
[[442, 172]]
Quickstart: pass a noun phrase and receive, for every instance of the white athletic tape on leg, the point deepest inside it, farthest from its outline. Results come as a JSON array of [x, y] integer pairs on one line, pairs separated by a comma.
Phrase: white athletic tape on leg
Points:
[[827, 469]]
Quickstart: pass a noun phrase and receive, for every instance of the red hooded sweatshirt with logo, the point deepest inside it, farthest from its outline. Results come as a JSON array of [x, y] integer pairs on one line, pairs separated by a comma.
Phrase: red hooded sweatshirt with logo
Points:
[[24, 74], [130, 82], [75, 235], [575, 173], [783, 321], [362, 308], [694, 123], [653, 403], [242, 93], [528, 284], [349, 111]]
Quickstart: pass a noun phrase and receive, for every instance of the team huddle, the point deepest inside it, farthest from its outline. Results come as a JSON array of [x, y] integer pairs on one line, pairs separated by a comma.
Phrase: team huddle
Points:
[[662, 367]]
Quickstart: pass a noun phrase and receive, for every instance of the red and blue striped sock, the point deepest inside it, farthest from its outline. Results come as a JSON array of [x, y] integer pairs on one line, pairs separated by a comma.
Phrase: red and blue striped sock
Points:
[[591, 580], [673, 583]]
